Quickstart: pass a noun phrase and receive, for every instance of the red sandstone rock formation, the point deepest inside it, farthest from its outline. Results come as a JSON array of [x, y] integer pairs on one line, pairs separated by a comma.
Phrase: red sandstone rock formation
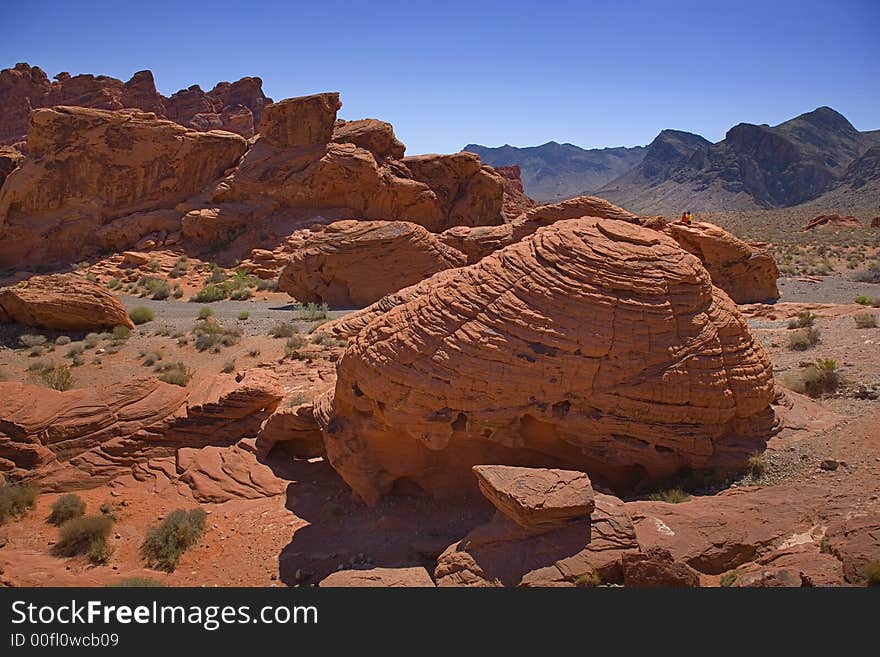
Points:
[[354, 263], [235, 106], [593, 343], [413, 576], [373, 135], [9, 159], [516, 201], [63, 302], [832, 221], [88, 168], [77, 439]]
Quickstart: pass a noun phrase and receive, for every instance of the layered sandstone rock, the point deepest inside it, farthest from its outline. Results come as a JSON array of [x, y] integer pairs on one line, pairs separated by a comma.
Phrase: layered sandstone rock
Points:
[[502, 553], [373, 135], [63, 302], [220, 474], [593, 343], [354, 263], [235, 106], [516, 201], [746, 272], [300, 122], [9, 159], [537, 498], [83, 437], [832, 221], [294, 428], [88, 167], [656, 568]]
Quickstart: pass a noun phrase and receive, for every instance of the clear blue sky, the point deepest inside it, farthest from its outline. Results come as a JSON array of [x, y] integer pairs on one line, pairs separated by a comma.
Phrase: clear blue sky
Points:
[[446, 73]]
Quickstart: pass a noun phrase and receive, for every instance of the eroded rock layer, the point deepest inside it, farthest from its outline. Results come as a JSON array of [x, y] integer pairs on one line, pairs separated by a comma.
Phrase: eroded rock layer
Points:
[[593, 343], [354, 263]]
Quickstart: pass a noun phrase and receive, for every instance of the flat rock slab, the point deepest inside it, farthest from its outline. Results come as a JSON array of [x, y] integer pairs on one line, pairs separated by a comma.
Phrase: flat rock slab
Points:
[[415, 576], [537, 498]]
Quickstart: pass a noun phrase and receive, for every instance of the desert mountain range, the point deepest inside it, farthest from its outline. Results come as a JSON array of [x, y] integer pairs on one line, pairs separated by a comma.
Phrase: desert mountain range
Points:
[[817, 157]]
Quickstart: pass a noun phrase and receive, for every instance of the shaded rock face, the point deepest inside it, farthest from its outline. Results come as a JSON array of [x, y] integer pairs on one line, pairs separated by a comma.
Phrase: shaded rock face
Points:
[[354, 263], [9, 159], [746, 272], [515, 199], [656, 568], [594, 344], [502, 553], [235, 106], [88, 167], [300, 122], [62, 302], [83, 437]]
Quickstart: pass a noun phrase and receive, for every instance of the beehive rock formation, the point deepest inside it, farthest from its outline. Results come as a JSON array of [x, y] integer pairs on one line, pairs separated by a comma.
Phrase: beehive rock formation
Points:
[[354, 263], [371, 134], [63, 302], [594, 344], [746, 272], [87, 167]]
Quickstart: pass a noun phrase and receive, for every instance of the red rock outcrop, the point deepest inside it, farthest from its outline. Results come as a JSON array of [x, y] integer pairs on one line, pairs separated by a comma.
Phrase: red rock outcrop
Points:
[[875, 222], [516, 201], [746, 272], [413, 576], [373, 135], [354, 263], [656, 568], [220, 474], [89, 167], [63, 302], [300, 122], [855, 542], [296, 429], [832, 221], [9, 159], [84, 437], [235, 106], [593, 343]]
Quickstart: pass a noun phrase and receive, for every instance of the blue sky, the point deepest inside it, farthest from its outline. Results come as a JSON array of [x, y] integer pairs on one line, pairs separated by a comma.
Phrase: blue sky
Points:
[[446, 73]]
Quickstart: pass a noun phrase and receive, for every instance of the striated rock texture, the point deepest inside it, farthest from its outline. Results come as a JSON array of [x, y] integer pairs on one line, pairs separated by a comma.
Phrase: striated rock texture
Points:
[[746, 272], [300, 122], [234, 106], [87, 167], [479, 241], [515, 199], [832, 221], [594, 344], [354, 263], [84, 437], [412, 576], [373, 135], [656, 568], [63, 302]]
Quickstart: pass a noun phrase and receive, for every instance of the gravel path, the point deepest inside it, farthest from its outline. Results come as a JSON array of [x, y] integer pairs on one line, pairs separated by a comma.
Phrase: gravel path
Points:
[[836, 288]]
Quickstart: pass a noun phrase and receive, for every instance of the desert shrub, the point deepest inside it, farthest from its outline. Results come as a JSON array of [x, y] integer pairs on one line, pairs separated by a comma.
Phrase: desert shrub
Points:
[[210, 293], [253, 353], [166, 542], [114, 283], [727, 579], [672, 495], [65, 508], [755, 465], [816, 379], [175, 373], [15, 500], [228, 367], [62, 340], [137, 583], [283, 330], [141, 315], [870, 275], [205, 312], [803, 339], [74, 351], [243, 315], [121, 333], [863, 300], [241, 294], [269, 285], [57, 377], [30, 340], [39, 366], [151, 358], [866, 320], [177, 293], [803, 320], [293, 345], [85, 535], [872, 573], [36, 351], [161, 291], [180, 268], [312, 312], [92, 340], [590, 579]]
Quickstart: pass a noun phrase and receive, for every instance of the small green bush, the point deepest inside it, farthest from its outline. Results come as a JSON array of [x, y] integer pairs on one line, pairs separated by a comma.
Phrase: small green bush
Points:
[[803, 320], [57, 377], [816, 379], [141, 315], [121, 333], [293, 345], [15, 500], [30, 340], [283, 330], [591, 579], [62, 340], [205, 312], [65, 508], [672, 496], [166, 542], [92, 340], [863, 300], [74, 351], [85, 535], [228, 367], [872, 573], [756, 465], [175, 373], [114, 284], [243, 315], [727, 579], [210, 293], [803, 339], [866, 321]]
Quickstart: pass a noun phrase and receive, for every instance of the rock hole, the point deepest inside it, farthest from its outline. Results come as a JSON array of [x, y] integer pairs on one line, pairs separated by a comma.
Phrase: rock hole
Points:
[[460, 422], [561, 409]]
